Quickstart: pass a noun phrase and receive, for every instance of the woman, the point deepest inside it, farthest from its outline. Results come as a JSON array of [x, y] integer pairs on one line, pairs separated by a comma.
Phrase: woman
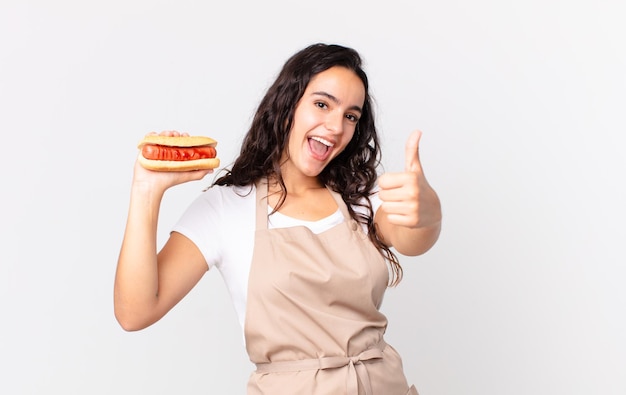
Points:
[[306, 231]]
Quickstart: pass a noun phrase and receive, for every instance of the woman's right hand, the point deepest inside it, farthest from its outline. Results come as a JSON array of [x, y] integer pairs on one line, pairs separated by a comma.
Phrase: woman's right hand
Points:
[[159, 181]]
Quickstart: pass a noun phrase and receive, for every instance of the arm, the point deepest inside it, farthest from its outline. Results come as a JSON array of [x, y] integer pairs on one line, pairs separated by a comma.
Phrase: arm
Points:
[[147, 284], [409, 218]]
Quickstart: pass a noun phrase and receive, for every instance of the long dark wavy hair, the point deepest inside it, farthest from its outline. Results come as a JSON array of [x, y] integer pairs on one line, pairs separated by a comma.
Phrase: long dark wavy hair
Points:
[[352, 173]]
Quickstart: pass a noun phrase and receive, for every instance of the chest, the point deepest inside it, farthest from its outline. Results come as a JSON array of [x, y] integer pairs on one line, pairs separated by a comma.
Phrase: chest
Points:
[[311, 205]]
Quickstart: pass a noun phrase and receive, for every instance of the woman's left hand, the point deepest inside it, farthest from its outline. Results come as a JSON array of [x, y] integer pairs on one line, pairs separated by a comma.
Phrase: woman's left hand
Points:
[[408, 200]]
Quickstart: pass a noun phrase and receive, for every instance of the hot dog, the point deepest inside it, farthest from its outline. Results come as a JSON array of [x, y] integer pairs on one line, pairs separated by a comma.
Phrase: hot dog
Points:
[[178, 153]]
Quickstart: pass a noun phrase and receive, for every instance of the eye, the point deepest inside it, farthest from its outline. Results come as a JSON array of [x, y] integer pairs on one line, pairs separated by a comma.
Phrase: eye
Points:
[[321, 104], [352, 118]]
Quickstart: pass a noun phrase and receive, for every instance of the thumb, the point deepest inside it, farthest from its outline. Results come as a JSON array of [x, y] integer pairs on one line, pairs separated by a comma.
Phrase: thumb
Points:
[[412, 155]]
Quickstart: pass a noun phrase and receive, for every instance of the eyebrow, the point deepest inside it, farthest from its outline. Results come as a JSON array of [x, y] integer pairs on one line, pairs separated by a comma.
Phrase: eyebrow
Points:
[[337, 101]]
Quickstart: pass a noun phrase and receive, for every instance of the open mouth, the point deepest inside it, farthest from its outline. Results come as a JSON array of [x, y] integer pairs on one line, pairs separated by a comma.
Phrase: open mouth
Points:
[[320, 148]]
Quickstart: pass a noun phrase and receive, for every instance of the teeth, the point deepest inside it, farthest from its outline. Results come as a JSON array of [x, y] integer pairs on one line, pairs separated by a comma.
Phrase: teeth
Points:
[[321, 140]]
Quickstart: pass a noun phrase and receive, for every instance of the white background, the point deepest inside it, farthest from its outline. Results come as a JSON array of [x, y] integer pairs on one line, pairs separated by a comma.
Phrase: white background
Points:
[[522, 107]]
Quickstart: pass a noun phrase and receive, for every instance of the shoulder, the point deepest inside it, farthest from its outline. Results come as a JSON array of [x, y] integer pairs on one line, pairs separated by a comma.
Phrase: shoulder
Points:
[[228, 195], [218, 221], [221, 205]]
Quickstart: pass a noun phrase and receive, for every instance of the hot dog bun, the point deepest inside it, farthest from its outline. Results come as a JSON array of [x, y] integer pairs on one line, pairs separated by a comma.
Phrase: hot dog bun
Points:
[[183, 162], [179, 165], [177, 141]]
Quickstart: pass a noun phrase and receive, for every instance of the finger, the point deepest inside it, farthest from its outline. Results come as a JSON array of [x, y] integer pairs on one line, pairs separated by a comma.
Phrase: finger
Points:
[[398, 218], [171, 133], [398, 195], [411, 153], [390, 181]]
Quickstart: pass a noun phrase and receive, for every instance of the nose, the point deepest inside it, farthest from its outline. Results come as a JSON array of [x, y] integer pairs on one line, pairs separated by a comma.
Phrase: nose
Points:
[[334, 122]]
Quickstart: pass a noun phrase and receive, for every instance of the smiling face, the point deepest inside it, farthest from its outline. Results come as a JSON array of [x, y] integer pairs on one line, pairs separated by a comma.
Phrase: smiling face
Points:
[[324, 121]]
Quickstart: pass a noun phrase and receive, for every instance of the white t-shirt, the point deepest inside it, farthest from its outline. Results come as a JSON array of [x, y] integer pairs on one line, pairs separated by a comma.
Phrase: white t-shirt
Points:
[[221, 223]]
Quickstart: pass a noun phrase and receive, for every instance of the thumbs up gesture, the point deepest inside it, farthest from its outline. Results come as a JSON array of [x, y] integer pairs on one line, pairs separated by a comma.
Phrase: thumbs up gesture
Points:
[[410, 213]]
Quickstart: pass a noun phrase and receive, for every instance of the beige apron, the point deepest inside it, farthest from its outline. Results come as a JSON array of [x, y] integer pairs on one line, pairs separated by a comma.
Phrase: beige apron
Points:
[[312, 321]]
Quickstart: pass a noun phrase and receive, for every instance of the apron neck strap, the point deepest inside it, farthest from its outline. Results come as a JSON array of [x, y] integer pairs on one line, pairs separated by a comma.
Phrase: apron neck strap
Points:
[[340, 203], [261, 204]]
